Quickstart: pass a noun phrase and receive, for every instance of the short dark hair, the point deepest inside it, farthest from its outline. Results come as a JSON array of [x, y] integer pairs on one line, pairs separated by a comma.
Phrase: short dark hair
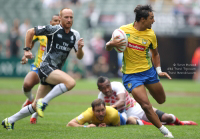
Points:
[[97, 102], [56, 15], [101, 79], [142, 11]]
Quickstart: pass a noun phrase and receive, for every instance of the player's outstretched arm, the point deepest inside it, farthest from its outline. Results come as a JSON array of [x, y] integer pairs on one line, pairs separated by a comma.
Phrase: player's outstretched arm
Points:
[[74, 123], [121, 101]]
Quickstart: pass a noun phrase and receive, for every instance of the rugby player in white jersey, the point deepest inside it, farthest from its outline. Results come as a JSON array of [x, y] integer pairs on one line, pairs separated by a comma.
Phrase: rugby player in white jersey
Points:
[[114, 94]]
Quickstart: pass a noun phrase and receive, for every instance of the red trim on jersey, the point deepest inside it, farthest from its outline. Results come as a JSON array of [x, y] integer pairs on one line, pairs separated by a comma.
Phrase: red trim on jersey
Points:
[[42, 47]]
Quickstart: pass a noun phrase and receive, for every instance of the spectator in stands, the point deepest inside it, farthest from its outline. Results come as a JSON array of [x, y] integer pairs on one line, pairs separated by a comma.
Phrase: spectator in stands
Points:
[[0, 49], [24, 27], [52, 3], [101, 67], [88, 61], [92, 15], [16, 24], [76, 69], [3, 26], [13, 43], [97, 43]]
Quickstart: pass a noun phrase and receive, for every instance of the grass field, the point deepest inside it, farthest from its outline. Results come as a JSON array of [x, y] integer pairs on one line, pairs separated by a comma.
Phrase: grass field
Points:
[[182, 100]]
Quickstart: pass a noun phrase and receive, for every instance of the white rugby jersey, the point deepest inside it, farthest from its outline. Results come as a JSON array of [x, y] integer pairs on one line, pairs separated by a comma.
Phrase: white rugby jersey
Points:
[[118, 88]]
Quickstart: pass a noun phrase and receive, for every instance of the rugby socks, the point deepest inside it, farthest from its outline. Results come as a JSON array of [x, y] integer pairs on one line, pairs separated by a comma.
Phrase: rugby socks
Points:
[[176, 121], [56, 91], [164, 130], [24, 112], [142, 122], [29, 95], [173, 117], [34, 115]]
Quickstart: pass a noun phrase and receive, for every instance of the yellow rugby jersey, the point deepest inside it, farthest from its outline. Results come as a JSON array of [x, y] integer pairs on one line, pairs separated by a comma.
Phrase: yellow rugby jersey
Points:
[[136, 56], [111, 117], [43, 43]]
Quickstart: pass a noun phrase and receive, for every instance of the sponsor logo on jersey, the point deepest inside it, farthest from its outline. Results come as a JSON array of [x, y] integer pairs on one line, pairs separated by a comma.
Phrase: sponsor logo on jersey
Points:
[[59, 36], [72, 39], [42, 48], [144, 41], [136, 46], [63, 47], [136, 38]]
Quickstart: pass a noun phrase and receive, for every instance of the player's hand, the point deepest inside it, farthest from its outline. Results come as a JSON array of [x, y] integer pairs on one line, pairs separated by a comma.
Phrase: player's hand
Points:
[[80, 43], [24, 60], [28, 54], [91, 125], [162, 74], [102, 125], [116, 42]]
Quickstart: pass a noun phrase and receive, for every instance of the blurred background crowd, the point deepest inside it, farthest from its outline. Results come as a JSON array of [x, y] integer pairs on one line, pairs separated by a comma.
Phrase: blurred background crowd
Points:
[[177, 26]]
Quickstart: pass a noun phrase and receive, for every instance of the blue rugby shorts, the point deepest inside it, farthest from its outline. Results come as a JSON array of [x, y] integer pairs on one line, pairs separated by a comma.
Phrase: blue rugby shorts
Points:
[[134, 80], [34, 68]]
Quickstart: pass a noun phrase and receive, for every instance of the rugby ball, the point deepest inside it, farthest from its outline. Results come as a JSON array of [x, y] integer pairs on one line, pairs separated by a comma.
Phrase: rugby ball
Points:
[[122, 35]]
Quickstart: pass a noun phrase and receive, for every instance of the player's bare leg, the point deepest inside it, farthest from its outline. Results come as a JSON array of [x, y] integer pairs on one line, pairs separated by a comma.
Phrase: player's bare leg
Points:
[[140, 95], [157, 92], [58, 76], [43, 90], [135, 121], [63, 84], [30, 81]]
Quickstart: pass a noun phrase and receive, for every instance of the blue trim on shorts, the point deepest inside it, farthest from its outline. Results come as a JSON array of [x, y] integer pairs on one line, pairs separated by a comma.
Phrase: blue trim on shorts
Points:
[[122, 120], [134, 80], [34, 68]]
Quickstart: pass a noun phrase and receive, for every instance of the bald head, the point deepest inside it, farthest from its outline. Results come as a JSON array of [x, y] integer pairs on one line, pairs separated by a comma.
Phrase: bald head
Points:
[[66, 18]]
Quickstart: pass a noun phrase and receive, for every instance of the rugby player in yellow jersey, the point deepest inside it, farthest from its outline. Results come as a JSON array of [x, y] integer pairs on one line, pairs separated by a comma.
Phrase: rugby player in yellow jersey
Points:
[[138, 70], [32, 78], [98, 115]]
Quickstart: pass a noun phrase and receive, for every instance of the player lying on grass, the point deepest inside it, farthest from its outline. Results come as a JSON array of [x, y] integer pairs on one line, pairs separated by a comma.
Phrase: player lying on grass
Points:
[[115, 95], [98, 115]]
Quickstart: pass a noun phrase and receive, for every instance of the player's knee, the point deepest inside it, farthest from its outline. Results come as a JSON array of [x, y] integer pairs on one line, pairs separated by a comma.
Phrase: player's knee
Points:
[[161, 100], [146, 107], [167, 118], [71, 84], [27, 86]]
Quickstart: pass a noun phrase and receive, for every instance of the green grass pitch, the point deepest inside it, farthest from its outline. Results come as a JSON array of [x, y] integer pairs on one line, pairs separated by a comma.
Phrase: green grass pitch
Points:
[[183, 100]]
